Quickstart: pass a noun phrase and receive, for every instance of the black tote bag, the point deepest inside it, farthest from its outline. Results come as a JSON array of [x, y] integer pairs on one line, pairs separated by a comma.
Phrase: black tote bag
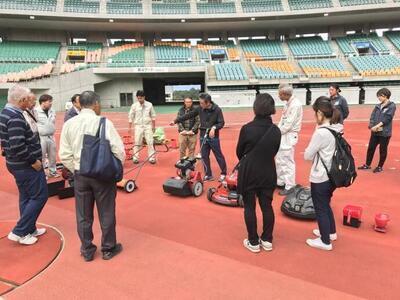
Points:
[[97, 160]]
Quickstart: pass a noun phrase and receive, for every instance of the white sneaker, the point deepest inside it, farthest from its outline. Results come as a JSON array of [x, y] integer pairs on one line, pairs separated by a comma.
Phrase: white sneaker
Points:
[[39, 232], [267, 246], [254, 249], [317, 243], [332, 236], [28, 240], [13, 237], [222, 178]]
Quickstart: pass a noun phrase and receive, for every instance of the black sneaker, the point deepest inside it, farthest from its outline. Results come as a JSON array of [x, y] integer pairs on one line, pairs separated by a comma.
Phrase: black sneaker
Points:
[[90, 255], [364, 167], [107, 255], [378, 170]]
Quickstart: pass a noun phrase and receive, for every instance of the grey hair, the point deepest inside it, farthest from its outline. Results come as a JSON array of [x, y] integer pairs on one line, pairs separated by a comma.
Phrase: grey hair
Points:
[[17, 93], [287, 89]]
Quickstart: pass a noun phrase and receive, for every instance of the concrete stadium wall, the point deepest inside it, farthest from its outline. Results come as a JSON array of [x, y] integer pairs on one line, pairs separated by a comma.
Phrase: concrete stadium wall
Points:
[[370, 94], [109, 91]]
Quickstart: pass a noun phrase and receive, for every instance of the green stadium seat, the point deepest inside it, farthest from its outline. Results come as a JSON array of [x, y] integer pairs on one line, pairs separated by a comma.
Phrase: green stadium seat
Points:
[[126, 55], [125, 7], [394, 37], [324, 68], [33, 5], [171, 7], [82, 6], [262, 49], [254, 6], [230, 71], [310, 47], [216, 8], [309, 4], [273, 69], [346, 43], [376, 65], [360, 2], [21, 51], [172, 52]]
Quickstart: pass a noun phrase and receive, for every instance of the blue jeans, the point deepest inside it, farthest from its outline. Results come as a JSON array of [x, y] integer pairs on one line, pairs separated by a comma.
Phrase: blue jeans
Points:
[[33, 195], [321, 194], [212, 144]]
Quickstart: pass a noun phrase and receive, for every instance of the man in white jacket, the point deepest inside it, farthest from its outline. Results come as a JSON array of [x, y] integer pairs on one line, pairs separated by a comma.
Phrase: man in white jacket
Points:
[[143, 117], [290, 125], [46, 121]]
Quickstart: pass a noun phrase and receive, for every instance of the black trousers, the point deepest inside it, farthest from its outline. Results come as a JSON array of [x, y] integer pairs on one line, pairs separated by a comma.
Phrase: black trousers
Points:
[[89, 191], [214, 145], [374, 141], [250, 217], [321, 194]]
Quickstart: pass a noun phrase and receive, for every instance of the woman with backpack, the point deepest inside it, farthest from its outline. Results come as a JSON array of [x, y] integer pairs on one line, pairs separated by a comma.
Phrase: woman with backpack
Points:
[[259, 141], [320, 151], [380, 124]]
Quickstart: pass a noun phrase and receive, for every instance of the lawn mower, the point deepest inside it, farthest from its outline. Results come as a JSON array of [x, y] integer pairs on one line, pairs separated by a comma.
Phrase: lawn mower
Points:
[[189, 181], [299, 204], [226, 192]]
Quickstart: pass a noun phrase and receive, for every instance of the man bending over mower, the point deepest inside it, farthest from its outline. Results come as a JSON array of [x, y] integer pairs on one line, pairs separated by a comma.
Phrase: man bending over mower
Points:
[[188, 130], [143, 116], [211, 122]]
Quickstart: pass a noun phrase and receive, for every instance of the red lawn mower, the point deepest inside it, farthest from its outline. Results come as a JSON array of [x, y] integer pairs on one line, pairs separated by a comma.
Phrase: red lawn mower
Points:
[[226, 192]]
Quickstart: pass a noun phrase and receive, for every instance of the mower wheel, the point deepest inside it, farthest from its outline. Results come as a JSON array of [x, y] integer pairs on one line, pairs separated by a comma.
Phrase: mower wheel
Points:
[[197, 188], [130, 186], [240, 201], [210, 193]]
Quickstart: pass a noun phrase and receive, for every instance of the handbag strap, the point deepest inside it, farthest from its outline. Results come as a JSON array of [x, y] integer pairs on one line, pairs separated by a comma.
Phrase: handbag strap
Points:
[[101, 131], [254, 147]]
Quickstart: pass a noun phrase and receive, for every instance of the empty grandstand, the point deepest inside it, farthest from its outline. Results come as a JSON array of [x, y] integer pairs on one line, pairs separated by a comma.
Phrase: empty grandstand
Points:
[[377, 65], [310, 47], [124, 7], [262, 49], [214, 7], [273, 70], [171, 7], [172, 52], [328, 68], [309, 4], [230, 71], [126, 55], [254, 6], [29, 5]]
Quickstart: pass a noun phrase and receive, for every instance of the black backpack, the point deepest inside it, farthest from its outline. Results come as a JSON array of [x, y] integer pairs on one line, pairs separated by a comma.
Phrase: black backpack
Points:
[[343, 170]]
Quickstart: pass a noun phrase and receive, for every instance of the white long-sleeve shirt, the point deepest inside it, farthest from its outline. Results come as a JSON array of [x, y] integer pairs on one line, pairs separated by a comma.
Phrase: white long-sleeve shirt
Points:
[[292, 116], [142, 115], [87, 122], [323, 143]]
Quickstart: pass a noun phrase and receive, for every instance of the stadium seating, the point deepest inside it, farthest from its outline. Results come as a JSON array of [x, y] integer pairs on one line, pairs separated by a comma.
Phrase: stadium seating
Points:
[[273, 69], [254, 6], [20, 51], [345, 43], [230, 71], [310, 47], [171, 7], [124, 7], [35, 5], [172, 52], [216, 8], [126, 55], [23, 71], [82, 6], [262, 49], [376, 65], [324, 68], [229, 46], [394, 37], [360, 2], [72, 67], [309, 4]]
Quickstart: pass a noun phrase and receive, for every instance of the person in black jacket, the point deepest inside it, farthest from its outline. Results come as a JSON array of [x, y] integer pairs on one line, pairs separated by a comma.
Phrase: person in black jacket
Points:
[[74, 110], [259, 142], [339, 102], [211, 122], [380, 124]]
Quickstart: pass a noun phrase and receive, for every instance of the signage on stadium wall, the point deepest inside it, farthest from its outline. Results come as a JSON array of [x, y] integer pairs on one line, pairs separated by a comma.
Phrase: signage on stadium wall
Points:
[[76, 53], [151, 70]]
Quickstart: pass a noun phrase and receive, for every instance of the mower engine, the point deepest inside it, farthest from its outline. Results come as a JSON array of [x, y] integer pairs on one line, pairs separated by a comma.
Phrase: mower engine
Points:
[[188, 182], [226, 193]]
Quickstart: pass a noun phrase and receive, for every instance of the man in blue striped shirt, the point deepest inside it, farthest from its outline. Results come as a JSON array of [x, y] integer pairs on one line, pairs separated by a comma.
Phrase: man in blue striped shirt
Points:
[[22, 150]]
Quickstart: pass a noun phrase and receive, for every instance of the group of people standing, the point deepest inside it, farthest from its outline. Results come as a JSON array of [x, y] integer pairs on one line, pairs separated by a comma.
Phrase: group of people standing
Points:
[[27, 141]]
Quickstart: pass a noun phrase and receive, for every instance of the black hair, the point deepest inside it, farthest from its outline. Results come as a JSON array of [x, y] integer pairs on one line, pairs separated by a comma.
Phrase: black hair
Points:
[[44, 98], [336, 87], [206, 97], [384, 92], [140, 93], [88, 98], [325, 106], [264, 105], [74, 97], [187, 97]]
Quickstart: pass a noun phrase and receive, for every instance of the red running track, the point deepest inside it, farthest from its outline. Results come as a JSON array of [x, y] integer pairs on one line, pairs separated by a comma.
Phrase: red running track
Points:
[[192, 249]]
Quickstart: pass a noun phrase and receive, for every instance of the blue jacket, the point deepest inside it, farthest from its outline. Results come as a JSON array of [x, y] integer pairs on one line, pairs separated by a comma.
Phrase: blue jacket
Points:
[[341, 104], [70, 114], [385, 115]]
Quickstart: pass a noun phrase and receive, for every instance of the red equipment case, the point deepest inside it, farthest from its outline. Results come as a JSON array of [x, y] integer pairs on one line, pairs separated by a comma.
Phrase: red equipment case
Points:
[[352, 215]]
